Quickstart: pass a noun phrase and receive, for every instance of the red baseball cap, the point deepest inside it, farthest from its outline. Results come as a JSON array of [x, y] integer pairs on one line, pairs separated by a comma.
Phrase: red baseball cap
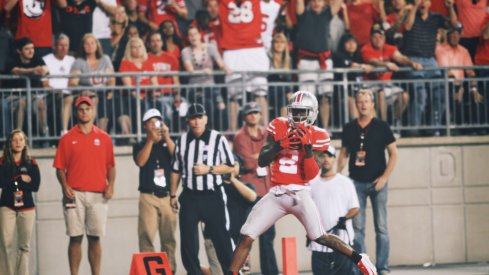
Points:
[[83, 99]]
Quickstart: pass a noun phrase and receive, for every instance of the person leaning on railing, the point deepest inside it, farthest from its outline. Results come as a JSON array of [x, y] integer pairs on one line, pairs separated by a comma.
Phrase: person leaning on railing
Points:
[[92, 60], [135, 61]]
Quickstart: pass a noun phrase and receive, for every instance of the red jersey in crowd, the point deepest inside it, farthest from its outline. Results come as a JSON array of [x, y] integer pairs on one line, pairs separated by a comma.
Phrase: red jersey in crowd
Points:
[[241, 25], [482, 53], [384, 54], [165, 62], [291, 166], [362, 16], [129, 66], [34, 21], [159, 10]]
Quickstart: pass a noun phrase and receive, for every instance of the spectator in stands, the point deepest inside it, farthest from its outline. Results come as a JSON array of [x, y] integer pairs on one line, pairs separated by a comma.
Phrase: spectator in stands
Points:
[[131, 8], [482, 53], [120, 48], [270, 11], [280, 62], [118, 25], [171, 40], [471, 14], [26, 63], [154, 13], [163, 62], [92, 60], [394, 28], [313, 50], [380, 54], [247, 144], [76, 19], [34, 20], [199, 58], [243, 55], [19, 178], [463, 100], [348, 56], [362, 15], [482, 58], [421, 28], [214, 23], [136, 61], [202, 21], [59, 63], [101, 23], [337, 203]]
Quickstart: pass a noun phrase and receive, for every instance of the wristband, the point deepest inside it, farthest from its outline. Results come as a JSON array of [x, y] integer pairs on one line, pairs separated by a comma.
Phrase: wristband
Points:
[[211, 170], [173, 196]]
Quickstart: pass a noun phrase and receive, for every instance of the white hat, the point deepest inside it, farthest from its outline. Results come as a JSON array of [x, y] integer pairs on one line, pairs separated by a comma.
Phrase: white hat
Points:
[[152, 113], [331, 151]]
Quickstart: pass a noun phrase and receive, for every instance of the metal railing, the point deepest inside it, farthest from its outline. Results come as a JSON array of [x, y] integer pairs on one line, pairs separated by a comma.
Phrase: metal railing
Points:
[[410, 106]]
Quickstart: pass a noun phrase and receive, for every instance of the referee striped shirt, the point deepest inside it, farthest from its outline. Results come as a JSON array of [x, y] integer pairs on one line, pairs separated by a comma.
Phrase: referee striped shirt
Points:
[[211, 148]]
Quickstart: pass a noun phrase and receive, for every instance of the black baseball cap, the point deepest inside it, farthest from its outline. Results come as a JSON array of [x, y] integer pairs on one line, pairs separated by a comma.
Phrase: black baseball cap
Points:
[[195, 109], [377, 28]]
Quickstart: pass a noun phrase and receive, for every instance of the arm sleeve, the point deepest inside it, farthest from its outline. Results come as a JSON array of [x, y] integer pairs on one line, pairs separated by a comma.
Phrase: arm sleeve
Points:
[[225, 151], [176, 162], [33, 172]]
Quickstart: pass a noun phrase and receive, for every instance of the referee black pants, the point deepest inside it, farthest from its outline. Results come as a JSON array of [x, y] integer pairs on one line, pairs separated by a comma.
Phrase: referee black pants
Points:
[[208, 207]]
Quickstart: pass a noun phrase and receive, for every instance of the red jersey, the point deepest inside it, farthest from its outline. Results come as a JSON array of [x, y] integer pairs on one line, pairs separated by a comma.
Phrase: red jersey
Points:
[[482, 52], [216, 30], [385, 54], [160, 11], [439, 6], [362, 17], [241, 25], [129, 66], [164, 63], [85, 158], [291, 166], [35, 22]]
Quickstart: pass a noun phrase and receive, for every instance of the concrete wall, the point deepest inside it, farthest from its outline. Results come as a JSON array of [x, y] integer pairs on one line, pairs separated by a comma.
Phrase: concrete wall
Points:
[[438, 211]]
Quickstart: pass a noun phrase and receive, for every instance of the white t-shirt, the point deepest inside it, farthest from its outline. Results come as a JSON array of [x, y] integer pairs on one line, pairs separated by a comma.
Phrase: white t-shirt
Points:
[[59, 67], [101, 21], [334, 198], [269, 15]]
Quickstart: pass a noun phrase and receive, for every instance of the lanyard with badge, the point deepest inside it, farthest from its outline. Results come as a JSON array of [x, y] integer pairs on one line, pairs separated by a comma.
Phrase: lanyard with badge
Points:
[[361, 154], [159, 178]]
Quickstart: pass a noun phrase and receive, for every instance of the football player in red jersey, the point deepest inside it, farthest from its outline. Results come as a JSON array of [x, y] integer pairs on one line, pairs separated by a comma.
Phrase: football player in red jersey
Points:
[[289, 152]]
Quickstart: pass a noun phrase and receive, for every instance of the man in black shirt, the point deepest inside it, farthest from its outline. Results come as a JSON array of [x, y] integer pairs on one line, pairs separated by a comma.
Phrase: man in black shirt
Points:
[[364, 140], [153, 157], [27, 64]]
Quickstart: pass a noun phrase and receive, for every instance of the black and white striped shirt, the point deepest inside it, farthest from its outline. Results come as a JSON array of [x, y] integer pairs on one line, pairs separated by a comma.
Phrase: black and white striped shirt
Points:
[[210, 149]]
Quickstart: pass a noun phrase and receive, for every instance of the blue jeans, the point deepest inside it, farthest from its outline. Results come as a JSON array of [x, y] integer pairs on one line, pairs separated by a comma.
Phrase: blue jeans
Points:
[[268, 262], [419, 95], [379, 208]]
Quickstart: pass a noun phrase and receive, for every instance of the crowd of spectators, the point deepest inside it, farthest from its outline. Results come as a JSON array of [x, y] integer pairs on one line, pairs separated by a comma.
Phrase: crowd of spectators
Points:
[[200, 37]]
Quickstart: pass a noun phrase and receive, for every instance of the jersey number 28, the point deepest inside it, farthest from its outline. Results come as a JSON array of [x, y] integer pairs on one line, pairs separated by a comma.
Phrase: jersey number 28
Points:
[[242, 14]]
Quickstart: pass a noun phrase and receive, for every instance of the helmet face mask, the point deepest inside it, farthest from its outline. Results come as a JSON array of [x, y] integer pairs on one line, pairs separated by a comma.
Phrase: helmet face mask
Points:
[[302, 109]]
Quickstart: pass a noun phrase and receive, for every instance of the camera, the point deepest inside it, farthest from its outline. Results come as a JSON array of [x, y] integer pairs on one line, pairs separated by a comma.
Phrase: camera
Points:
[[158, 124]]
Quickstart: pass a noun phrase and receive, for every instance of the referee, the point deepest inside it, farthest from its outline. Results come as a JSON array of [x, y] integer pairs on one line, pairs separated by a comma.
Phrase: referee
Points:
[[201, 157]]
